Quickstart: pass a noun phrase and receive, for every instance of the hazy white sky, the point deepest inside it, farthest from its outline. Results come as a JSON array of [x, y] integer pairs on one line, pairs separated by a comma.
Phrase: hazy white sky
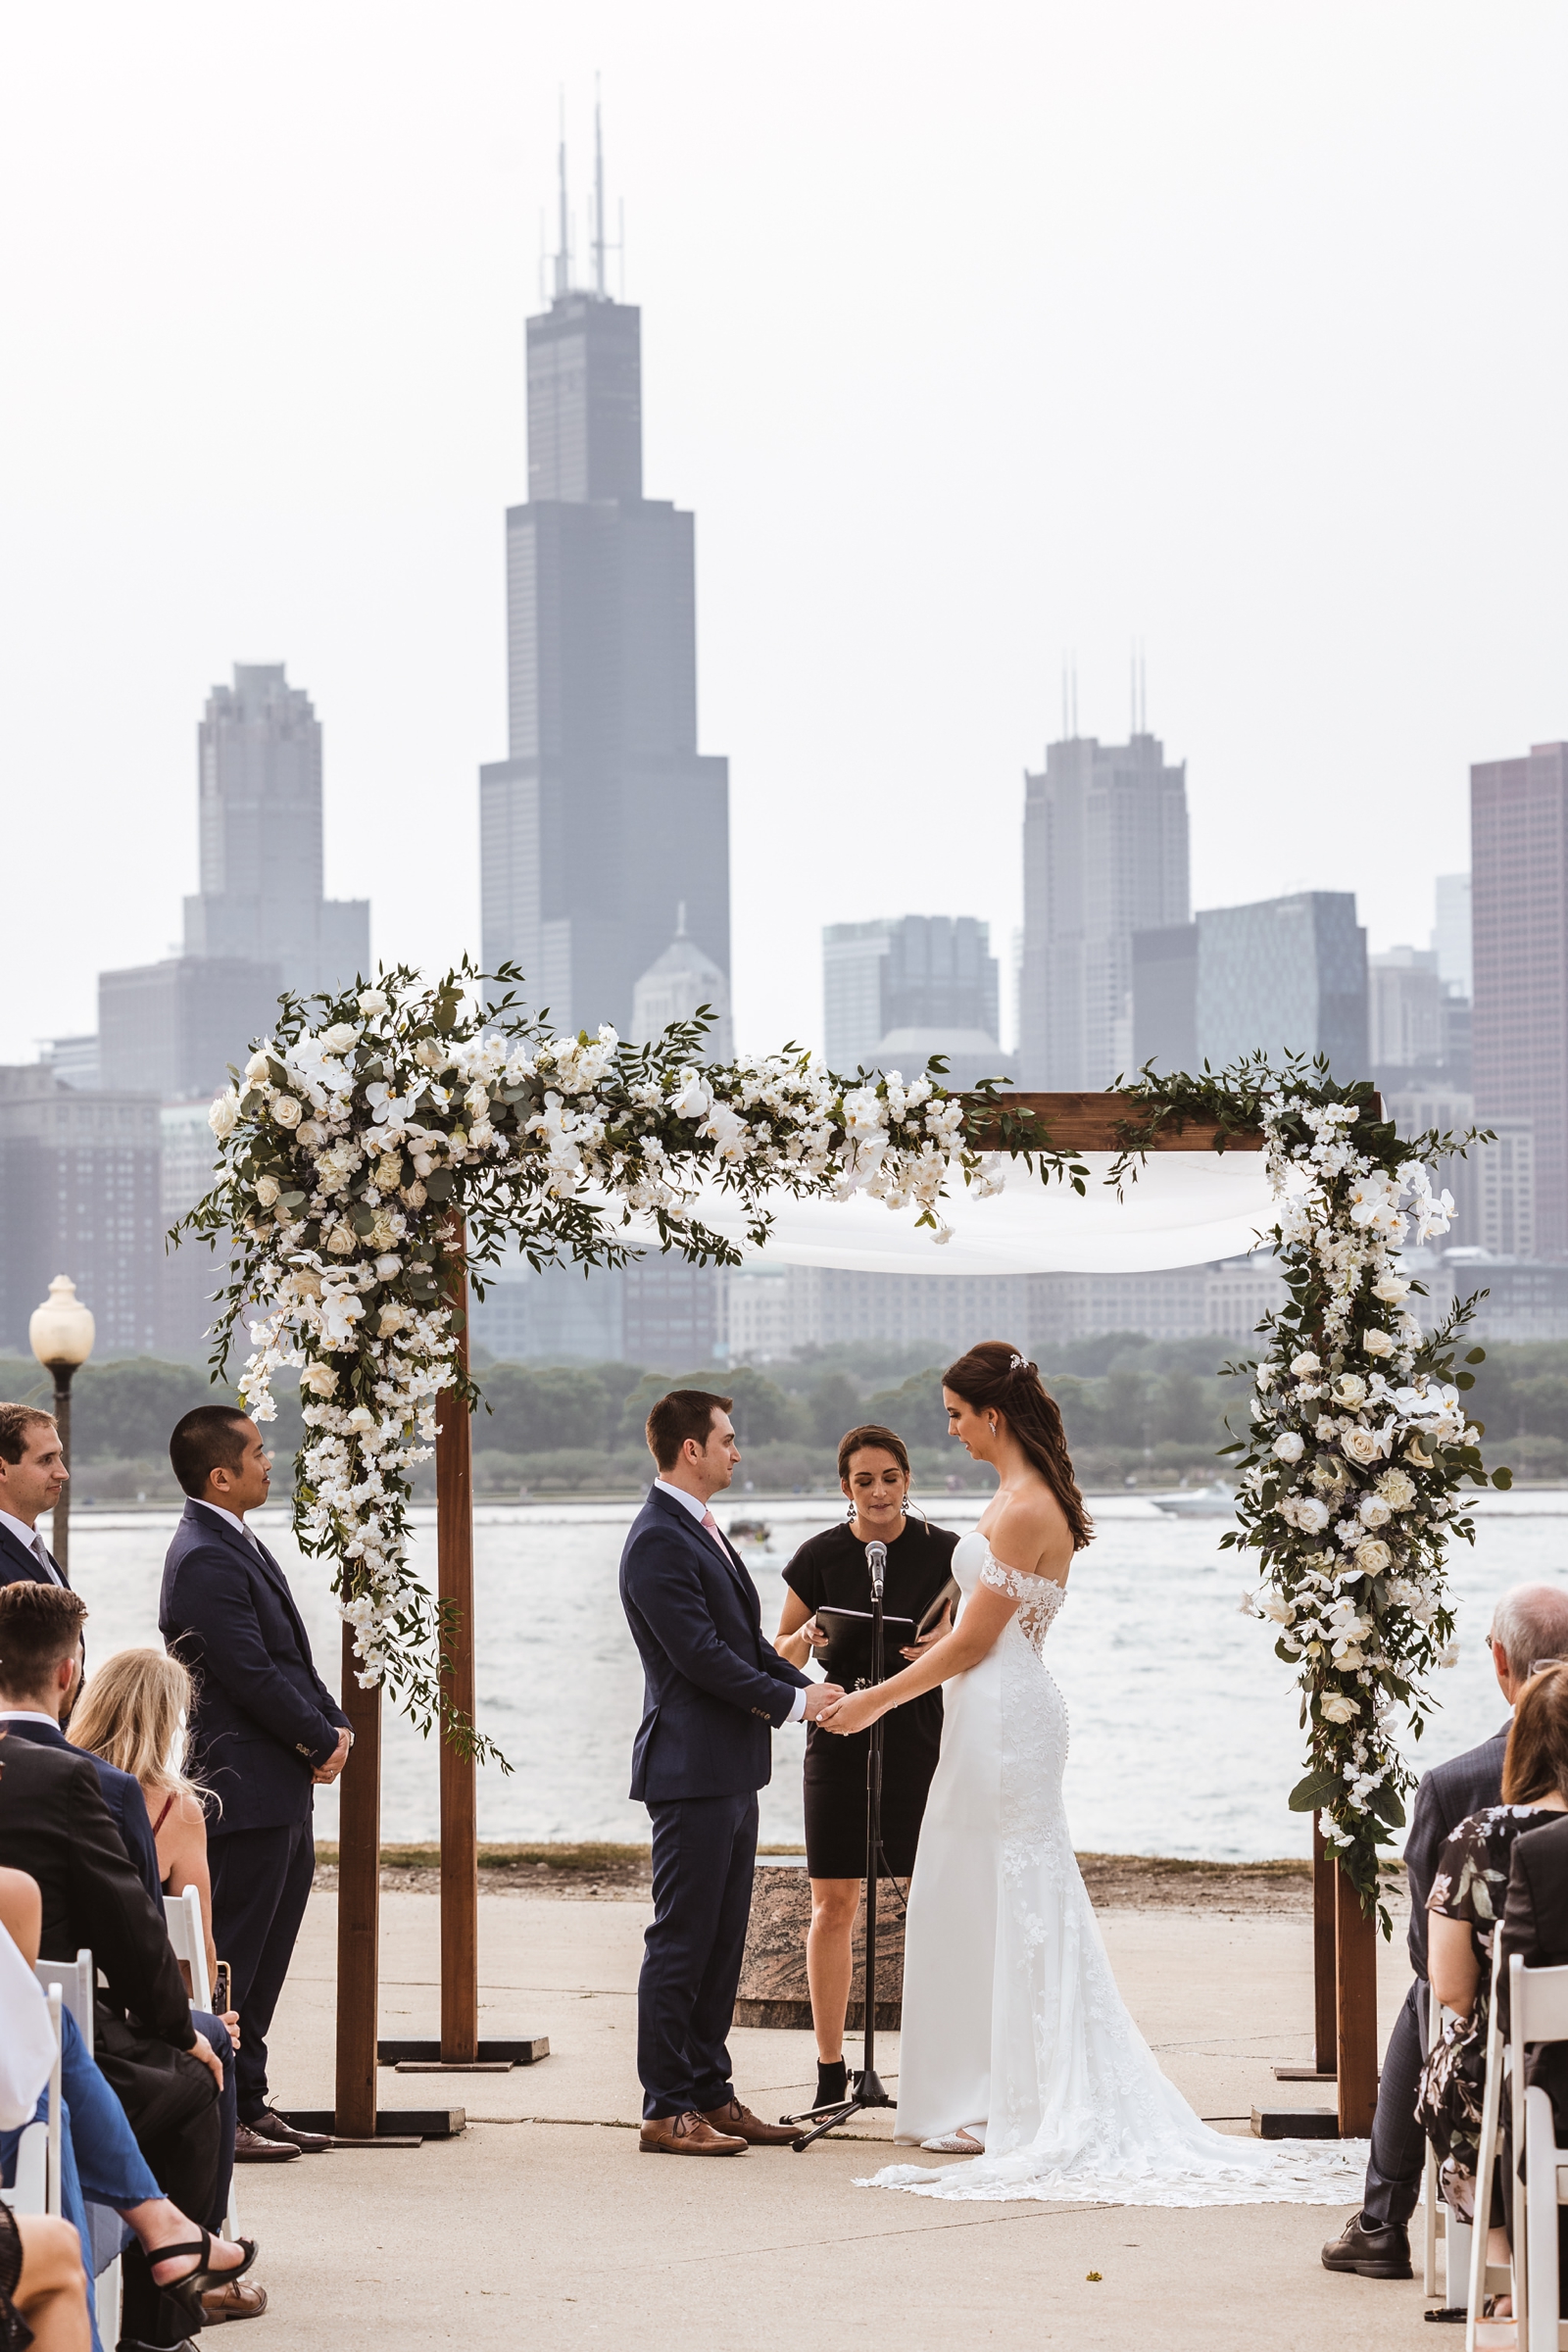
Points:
[[973, 337]]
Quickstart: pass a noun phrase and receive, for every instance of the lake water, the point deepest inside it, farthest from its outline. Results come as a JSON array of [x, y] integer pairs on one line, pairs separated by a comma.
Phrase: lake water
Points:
[[1184, 1723]]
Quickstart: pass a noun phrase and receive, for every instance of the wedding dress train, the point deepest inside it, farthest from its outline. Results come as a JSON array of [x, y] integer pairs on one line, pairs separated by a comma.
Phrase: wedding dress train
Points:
[[1011, 2015]]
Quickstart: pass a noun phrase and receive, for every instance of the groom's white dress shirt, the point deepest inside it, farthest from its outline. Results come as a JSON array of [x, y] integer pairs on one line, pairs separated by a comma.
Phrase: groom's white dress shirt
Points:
[[700, 1512]]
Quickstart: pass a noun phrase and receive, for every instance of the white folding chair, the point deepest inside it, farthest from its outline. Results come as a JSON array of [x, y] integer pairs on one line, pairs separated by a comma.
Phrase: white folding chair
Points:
[[37, 2188], [1490, 2278], [1537, 2011], [77, 1979], [187, 1934]]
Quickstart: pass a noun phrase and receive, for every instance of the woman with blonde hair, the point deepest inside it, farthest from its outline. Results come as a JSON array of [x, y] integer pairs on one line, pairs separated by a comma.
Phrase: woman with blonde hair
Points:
[[135, 1712]]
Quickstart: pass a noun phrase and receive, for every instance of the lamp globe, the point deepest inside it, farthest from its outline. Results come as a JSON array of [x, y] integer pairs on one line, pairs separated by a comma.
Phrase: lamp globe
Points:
[[61, 1330]]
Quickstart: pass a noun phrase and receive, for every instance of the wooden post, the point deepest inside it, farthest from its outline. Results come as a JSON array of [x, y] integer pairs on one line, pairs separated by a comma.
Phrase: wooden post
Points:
[[359, 1906], [1325, 1999], [1356, 1953], [459, 1816]]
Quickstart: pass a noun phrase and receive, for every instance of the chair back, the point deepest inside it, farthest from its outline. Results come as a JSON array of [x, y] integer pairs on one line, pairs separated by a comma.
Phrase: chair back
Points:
[[1537, 2002], [183, 1915], [76, 1980]]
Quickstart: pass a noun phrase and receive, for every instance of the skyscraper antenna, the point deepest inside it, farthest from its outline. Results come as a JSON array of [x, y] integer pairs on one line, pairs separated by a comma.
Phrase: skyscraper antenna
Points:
[[564, 249], [599, 200]]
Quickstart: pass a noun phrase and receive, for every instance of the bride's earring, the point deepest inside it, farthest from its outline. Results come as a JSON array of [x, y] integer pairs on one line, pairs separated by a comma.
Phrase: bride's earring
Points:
[[992, 1425]]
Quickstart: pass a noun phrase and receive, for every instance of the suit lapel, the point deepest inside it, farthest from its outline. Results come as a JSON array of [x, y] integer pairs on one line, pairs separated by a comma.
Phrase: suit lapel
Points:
[[698, 1535], [26, 1560], [256, 1555]]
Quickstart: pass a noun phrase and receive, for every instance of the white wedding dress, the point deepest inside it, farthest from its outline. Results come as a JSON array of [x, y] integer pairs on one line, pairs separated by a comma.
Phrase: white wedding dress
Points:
[[1011, 2015]]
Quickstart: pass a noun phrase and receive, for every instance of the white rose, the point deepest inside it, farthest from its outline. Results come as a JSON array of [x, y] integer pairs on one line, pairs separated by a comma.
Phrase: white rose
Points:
[[361, 1420], [431, 1054], [1350, 1388], [1311, 1515], [392, 1318], [1391, 1289], [416, 1195], [341, 1038], [340, 1241], [1305, 1365], [1288, 1445], [1373, 1512], [1362, 1447], [285, 1110], [1373, 1555], [312, 1134], [268, 1190], [1415, 1452], [255, 1067], [371, 1003], [1376, 1343], [319, 1378], [223, 1117], [1335, 1707], [388, 1268]]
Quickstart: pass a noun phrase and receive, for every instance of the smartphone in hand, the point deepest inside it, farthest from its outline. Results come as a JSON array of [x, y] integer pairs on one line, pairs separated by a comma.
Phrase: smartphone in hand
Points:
[[222, 1992]]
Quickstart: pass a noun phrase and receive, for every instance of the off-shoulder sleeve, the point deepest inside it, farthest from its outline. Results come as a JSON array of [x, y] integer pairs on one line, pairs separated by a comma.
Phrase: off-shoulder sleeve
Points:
[[1011, 1581]]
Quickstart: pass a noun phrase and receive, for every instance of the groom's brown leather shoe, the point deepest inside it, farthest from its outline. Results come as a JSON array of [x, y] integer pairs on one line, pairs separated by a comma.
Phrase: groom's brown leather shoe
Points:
[[688, 2135], [750, 2128]]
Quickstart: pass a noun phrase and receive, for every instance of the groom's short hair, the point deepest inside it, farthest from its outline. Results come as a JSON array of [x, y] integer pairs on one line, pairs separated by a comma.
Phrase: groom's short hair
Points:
[[684, 1413]]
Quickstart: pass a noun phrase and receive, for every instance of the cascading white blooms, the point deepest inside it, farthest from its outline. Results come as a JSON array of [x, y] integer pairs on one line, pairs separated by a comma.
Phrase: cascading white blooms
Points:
[[349, 1144], [1360, 1446]]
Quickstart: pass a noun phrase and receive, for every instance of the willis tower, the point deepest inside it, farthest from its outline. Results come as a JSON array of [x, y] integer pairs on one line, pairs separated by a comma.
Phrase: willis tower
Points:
[[604, 820]]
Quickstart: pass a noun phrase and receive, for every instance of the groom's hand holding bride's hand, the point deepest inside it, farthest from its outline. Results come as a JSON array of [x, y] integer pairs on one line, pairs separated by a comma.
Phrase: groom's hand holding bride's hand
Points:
[[820, 1696], [855, 1713]]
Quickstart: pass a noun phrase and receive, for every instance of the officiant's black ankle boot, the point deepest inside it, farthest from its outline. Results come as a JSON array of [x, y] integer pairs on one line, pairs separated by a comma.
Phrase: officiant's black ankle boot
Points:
[[832, 2083]]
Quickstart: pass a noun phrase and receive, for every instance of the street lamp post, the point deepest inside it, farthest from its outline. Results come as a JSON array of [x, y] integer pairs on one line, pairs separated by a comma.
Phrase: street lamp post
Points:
[[61, 1334]]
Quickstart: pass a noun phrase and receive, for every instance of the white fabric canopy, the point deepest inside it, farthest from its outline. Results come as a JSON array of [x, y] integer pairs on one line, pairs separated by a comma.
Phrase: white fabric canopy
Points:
[[1184, 1208]]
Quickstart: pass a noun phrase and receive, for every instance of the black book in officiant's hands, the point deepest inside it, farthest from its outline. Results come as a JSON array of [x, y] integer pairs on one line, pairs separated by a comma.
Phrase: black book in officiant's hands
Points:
[[848, 1655]]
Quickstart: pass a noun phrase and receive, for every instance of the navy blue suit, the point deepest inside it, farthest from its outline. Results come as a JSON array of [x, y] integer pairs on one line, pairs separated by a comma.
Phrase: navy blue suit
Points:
[[715, 1694], [19, 1566], [1449, 1795], [263, 1720]]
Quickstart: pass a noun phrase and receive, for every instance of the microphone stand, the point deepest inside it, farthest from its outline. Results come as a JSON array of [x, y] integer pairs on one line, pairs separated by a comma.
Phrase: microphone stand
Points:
[[867, 2091]]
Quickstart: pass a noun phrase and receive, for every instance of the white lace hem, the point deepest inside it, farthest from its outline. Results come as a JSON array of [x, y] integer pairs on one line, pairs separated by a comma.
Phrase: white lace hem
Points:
[[1287, 2172]]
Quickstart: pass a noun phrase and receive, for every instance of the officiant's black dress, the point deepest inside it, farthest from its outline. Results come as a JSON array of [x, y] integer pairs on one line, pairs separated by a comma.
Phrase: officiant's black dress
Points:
[[829, 1571]]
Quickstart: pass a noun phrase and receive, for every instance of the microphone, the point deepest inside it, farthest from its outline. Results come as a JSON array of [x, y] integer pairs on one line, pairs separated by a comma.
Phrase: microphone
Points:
[[877, 1559]]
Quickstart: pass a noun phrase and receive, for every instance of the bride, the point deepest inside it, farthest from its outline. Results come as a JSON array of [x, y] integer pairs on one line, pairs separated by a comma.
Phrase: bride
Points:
[[1017, 2047]]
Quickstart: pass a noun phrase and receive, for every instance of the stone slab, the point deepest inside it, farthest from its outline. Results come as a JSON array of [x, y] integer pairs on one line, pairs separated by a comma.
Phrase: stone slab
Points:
[[773, 1990]]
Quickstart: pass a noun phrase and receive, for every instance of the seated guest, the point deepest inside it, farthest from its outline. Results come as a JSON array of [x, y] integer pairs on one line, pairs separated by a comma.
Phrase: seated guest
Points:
[[100, 2161], [37, 1624], [32, 1478], [265, 1727], [830, 1569], [1535, 1918], [55, 1825], [1529, 1622], [1466, 1902], [43, 2287]]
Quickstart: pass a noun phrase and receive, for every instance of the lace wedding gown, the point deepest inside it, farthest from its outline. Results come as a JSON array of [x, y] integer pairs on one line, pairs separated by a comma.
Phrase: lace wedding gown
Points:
[[1011, 2015]]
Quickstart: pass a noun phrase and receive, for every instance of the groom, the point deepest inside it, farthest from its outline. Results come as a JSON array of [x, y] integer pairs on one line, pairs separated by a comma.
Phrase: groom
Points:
[[715, 1694]]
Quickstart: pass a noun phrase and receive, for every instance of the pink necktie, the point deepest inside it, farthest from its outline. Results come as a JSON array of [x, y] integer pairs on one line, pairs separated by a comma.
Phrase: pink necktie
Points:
[[712, 1525]]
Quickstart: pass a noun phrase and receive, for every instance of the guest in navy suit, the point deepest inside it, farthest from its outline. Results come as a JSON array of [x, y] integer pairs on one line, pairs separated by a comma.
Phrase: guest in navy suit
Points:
[[715, 1694], [1530, 1622], [32, 1478], [266, 1728]]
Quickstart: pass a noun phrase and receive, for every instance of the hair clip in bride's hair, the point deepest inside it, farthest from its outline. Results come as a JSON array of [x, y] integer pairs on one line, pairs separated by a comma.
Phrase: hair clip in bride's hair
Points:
[[1020, 1364]]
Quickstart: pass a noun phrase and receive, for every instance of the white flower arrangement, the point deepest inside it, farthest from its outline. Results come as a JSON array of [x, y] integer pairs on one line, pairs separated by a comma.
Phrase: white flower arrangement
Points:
[[355, 1139]]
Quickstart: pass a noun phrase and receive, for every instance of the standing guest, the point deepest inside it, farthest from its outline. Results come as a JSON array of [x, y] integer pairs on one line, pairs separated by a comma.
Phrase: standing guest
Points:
[[830, 1569], [40, 1649], [265, 1727], [715, 1692], [1530, 1622], [32, 1479]]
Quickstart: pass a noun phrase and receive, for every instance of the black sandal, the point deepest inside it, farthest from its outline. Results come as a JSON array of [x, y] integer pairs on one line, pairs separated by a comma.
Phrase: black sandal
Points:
[[189, 2291]]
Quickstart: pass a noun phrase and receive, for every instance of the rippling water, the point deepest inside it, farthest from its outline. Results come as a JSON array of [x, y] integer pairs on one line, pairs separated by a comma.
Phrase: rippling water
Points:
[[1184, 1724]]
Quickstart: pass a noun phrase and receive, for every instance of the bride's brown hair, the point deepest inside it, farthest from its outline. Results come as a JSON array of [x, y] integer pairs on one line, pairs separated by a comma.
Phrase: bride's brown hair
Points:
[[995, 1378]]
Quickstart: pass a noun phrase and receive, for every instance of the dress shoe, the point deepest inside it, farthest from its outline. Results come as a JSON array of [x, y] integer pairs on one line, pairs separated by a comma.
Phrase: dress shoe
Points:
[[1372, 2250], [686, 2135], [742, 2124], [269, 2124], [251, 2148], [242, 2299]]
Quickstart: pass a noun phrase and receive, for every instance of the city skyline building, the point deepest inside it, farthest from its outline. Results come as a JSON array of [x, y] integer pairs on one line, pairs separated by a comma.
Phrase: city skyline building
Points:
[[899, 989], [604, 816], [1519, 868], [1284, 976], [675, 987], [1450, 939], [1104, 856], [79, 1181]]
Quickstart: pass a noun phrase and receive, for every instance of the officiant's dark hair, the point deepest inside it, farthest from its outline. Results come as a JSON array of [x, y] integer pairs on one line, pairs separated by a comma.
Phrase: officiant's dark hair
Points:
[[684, 1413], [995, 1378]]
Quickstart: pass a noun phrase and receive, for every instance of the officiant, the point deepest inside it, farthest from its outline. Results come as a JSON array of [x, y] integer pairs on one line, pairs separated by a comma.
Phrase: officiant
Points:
[[830, 1572]]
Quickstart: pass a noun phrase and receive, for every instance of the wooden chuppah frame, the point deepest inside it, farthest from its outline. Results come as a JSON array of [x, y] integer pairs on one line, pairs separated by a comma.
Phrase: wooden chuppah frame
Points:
[[1344, 1938]]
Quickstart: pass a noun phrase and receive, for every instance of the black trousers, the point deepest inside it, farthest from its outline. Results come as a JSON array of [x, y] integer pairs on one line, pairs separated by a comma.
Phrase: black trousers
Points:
[[187, 2158], [1399, 2143], [261, 1885], [705, 1850]]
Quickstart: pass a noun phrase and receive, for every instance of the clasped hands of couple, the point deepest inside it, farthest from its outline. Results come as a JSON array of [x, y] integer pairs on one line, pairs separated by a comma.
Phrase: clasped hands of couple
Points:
[[835, 1710]]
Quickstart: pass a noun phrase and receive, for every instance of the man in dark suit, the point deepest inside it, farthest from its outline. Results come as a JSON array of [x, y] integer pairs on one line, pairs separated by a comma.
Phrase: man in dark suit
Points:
[[32, 1478], [715, 1694], [266, 1728], [55, 1825], [1535, 1926], [1530, 1622]]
